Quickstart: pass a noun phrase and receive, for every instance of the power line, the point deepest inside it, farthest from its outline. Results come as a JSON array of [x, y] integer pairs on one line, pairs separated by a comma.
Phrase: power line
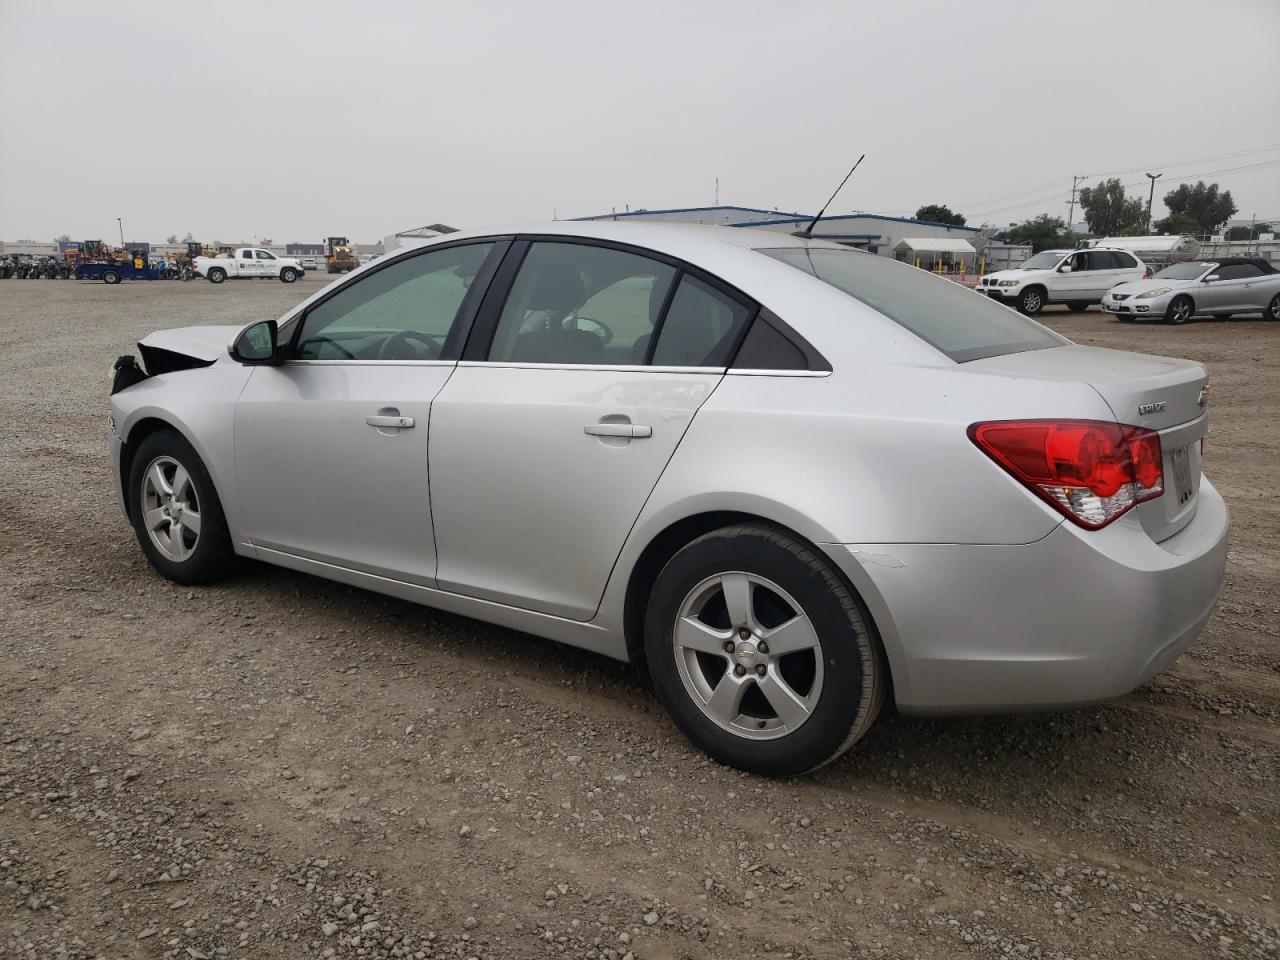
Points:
[[1185, 163]]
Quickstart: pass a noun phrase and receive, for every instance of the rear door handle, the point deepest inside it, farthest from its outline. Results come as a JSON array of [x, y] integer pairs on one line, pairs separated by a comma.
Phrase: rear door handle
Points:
[[397, 423], [629, 430]]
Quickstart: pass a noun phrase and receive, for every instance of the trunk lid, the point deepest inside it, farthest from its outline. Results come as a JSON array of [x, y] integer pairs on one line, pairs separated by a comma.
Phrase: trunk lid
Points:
[[1163, 394]]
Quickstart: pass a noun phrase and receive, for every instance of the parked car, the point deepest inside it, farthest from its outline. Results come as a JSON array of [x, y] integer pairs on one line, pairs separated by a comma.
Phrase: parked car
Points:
[[310, 263], [1216, 288], [248, 262], [366, 258], [786, 478], [1076, 278]]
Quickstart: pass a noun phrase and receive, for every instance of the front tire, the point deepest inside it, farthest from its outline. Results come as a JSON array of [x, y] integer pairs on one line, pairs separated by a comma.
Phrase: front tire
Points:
[[1273, 308], [761, 654], [217, 275], [176, 513], [1031, 301], [1180, 310], [288, 275]]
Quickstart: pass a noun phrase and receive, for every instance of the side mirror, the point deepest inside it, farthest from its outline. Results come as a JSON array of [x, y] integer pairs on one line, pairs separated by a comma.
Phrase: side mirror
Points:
[[255, 345], [1065, 268], [1211, 278]]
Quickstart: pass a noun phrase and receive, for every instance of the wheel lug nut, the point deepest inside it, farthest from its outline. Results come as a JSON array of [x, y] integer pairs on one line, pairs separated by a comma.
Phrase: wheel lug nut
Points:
[[762, 647], [744, 633], [760, 669], [739, 670], [728, 646]]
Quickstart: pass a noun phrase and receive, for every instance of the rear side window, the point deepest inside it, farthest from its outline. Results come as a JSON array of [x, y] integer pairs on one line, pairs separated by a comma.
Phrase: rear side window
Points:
[[953, 319], [701, 327]]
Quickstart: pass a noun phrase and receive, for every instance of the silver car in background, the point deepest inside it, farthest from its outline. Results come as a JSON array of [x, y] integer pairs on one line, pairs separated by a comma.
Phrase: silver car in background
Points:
[[1216, 288], [785, 478]]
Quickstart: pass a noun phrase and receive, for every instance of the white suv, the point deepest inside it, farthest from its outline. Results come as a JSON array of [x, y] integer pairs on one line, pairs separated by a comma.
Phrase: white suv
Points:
[[1074, 277]]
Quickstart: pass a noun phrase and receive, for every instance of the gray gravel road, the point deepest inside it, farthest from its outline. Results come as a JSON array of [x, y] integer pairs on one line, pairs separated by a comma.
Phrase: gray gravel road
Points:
[[283, 767]]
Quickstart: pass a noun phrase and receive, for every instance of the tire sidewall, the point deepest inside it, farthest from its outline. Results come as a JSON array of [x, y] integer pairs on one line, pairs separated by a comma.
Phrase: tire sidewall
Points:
[[827, 731], [213, 555]]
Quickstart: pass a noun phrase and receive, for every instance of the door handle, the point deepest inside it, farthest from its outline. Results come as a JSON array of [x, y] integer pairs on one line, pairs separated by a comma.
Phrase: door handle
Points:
[[629, 430], [396, 423]]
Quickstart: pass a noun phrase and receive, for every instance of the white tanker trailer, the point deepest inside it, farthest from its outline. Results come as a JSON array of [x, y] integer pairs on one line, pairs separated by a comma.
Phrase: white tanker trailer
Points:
[[1155, 250]]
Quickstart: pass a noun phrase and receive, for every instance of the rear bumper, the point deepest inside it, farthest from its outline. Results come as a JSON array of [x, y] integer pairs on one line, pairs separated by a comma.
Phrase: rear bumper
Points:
[[1074, 618]]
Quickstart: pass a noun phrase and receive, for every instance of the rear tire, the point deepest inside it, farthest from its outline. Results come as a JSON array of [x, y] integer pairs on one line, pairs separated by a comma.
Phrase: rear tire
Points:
[[712, 613], [1031, 301], [288, 275], [110, 277], [217, 275], [176, 513], [1180, 310], [1077, 307]]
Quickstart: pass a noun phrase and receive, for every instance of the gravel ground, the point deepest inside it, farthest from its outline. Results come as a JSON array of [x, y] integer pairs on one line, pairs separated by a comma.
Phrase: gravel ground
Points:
[[284, 767]]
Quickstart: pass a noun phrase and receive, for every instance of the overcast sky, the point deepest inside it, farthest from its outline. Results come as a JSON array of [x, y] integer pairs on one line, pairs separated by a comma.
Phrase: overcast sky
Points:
[[298, 120]]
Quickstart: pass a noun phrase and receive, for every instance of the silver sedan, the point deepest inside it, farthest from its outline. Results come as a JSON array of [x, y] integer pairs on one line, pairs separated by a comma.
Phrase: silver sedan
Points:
[[786, 479], [1217, 288]]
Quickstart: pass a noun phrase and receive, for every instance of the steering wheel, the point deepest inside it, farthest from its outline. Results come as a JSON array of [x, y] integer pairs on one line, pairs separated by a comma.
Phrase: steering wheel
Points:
[[605, 333], [333, 343], [390, 346]]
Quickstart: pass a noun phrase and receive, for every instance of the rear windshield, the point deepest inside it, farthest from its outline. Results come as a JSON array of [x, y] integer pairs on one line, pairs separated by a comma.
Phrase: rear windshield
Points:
[[961, 323]]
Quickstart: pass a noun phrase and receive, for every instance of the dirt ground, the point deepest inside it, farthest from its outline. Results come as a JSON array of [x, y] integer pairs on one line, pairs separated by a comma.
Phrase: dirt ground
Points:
[[284, 767]]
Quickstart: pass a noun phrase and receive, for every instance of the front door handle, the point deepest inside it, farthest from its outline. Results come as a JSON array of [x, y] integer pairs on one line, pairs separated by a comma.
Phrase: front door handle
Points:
[[629, 430], [395, 423]]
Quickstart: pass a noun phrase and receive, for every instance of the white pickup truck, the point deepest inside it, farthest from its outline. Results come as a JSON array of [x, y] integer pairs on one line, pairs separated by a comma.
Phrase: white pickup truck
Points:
[[248, 262]]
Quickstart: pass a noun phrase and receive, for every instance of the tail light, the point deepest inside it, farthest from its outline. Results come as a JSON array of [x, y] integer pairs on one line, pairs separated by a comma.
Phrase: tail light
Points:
[[1089, 470]]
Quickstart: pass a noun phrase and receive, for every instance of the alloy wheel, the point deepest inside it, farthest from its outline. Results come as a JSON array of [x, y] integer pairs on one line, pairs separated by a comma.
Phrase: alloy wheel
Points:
[[1181, 311], [170, 509], [748, 655]]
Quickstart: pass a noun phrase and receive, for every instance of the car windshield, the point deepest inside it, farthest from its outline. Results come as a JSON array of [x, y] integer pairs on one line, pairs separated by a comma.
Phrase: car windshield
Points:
[[1183, 271], [1044, 260], [953, 319]]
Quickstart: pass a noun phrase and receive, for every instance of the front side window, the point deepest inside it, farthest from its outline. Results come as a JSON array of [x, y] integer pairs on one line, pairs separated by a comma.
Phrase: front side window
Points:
[[1045, 260], [942, 313], [578, 304], [264, 255], [402, 312], [1183, 271], [1239, 271]]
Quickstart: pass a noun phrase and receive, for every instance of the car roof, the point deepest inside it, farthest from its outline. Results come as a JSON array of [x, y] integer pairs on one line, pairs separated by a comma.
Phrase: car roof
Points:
[[1264, 265], [658, 235]]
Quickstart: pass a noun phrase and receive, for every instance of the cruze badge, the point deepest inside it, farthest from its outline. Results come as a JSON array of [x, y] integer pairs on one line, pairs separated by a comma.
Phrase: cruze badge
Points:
[[1146, 409], [1204, 395]]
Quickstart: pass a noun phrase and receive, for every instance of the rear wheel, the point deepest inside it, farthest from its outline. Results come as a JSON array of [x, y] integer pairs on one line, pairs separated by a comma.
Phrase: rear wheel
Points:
[[217, 275], [288, 275], [761, 654], [1180, 310], [176, 513], [1078, 307], [110, 276], [1031, 301]]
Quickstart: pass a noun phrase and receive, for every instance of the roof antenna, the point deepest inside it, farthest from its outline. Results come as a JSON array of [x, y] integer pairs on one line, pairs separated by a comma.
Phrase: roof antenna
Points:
[[807, 232]]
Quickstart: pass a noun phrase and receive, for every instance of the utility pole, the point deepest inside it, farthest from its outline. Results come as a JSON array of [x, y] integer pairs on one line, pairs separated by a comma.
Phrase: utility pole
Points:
[[717, 203], [1151, 196], [120, 224], [1071, 208]]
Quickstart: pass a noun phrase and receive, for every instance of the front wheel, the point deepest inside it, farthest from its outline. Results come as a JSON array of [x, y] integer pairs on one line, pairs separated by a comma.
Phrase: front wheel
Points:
[[1273, 308], [761, 654], [1031, 301], [176, 513], [110, 276], [288, 275], [217, 275], [1180, 310]]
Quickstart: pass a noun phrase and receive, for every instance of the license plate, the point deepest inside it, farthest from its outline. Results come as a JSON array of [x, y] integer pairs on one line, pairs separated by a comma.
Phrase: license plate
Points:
[[1181, 461]]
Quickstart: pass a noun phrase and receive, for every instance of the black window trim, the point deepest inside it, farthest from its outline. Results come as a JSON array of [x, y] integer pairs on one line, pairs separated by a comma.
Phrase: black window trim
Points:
[[451, 351], [815, 362]]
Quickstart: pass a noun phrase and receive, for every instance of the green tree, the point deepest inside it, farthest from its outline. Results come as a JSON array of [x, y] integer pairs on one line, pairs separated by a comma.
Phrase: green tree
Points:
[[1043, 233], [939, 213], [1202, 204], [171, 238], [1177, 223], [62, 238], [1248, 233], [1108, 211]]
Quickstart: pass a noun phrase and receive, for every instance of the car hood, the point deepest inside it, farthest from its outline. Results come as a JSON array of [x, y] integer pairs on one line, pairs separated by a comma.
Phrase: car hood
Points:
[[1134, 287], [184, 347]]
